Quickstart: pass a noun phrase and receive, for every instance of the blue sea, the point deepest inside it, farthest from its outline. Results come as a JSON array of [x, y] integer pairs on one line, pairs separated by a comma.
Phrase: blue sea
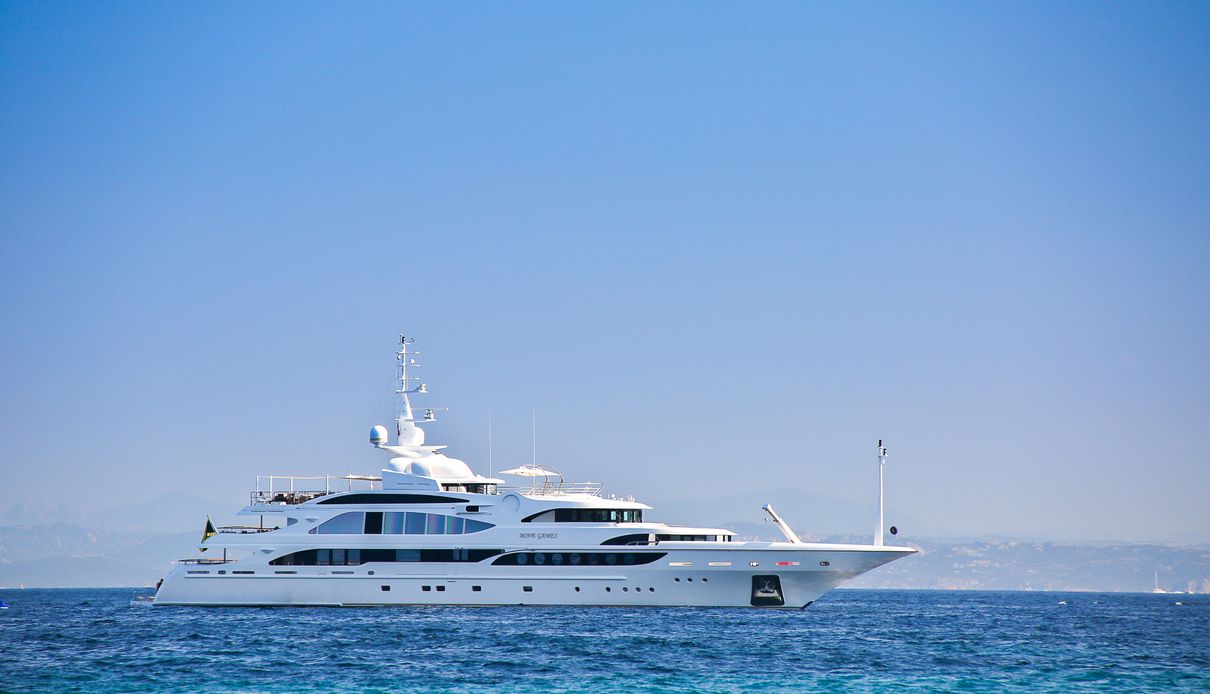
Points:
[[851, 640]]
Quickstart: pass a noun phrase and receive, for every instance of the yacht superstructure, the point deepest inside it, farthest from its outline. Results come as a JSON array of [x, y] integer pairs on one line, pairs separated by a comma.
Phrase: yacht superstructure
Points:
[[429, 530]]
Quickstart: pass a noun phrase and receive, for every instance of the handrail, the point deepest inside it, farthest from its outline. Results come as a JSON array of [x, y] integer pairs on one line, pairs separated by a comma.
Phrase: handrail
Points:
[[285, 489], [559, 489], [287, 498], [244, 529], [204, 561], [331, 482]]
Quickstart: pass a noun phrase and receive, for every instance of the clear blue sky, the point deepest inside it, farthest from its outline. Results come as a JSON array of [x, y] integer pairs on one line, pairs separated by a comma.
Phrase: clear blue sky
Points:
[[721, 248]]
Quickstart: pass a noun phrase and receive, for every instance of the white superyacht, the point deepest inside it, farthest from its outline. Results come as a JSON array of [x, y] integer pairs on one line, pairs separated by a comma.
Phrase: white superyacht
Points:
[[430, 531]]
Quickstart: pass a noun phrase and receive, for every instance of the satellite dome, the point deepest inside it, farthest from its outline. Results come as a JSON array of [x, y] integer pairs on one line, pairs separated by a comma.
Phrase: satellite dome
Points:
[[378, 435]]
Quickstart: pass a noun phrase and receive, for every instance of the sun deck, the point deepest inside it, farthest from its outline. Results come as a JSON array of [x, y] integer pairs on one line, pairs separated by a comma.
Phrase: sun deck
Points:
[[291, 490]]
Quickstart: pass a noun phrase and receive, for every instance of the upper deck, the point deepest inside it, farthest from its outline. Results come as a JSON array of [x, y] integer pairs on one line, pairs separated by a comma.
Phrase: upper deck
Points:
[[291, 490]]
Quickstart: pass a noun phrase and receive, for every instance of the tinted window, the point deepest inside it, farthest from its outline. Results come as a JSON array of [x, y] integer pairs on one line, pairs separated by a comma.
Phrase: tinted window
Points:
[[386, 498], [474, 526], [416, 523], [578, 559], [594, 515], [628, 540], [344, 524], [373, 523], [435, 525], [355, 557]]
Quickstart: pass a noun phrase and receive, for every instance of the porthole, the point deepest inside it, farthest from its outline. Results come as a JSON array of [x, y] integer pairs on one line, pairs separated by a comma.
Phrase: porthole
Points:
[[705, 579], [625, 589], [539, 558], [611, 559], [607, 589], [574, 558], [689, 579], [651, 589], [628, 558], [677, 580], [825, 563], [577, 589], [556, 558], [522, 559], [528, 589]]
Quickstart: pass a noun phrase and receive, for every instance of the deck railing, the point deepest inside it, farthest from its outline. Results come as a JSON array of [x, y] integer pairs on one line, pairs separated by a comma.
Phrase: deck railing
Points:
[[557, 488], [204, 561], [296, 489], [243, 529]]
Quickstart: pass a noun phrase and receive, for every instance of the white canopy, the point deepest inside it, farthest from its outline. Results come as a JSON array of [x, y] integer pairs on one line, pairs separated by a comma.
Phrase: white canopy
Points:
[[530, 471]]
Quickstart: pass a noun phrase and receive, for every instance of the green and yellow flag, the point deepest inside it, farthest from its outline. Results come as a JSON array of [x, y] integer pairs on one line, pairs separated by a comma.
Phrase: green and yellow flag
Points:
[[209, 532]]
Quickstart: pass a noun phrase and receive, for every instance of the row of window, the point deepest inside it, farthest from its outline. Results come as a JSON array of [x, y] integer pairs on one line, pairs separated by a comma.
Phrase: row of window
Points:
[[473, 488], [389, 498], [357, 557], [578, 558], [645, 539], [598, 515], [587, 515], [399, 523]]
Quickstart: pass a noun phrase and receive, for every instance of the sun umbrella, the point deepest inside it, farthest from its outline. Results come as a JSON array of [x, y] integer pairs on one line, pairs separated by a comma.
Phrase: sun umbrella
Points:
[[529, 471]]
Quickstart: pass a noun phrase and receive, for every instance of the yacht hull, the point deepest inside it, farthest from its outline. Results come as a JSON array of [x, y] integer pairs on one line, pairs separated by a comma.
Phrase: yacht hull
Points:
[[781, 578]]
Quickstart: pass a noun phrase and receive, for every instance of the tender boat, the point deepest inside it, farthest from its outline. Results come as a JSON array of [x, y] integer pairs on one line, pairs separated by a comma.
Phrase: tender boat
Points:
[[428, 530]]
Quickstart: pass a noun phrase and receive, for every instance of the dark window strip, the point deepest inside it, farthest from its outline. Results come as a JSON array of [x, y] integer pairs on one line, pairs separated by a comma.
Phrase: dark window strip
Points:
[[578, 558], [357, 557], [387, 498], [590, 515]]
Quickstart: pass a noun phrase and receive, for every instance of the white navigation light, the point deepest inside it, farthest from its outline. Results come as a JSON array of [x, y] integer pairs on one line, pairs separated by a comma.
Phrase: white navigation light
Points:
[[378, 435]]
